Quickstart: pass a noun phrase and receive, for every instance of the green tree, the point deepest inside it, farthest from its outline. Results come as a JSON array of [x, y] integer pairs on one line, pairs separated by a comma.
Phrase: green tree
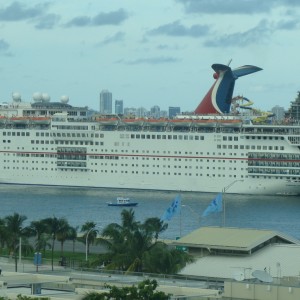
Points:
[[73, 236], [54, 227], [146, 290], [64, 234], [90, 234], [132, 246], [37, 229], [14, 224]]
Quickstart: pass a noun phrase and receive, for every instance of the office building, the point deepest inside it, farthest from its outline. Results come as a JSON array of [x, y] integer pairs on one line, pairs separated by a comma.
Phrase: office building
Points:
[[105, 102], [119, 107], [173, 111]]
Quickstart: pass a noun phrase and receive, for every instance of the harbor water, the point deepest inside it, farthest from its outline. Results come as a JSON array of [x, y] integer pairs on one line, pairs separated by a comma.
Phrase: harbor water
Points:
[[79, 205]]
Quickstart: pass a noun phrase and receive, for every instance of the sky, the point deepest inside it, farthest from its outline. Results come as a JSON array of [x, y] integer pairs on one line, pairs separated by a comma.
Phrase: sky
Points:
[[148, 52]]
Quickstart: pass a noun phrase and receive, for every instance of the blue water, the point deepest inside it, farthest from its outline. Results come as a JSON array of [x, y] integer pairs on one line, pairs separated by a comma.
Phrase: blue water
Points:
[[280, 213]]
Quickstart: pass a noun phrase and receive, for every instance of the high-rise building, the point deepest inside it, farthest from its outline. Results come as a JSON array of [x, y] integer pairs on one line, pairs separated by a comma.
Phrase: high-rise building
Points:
[[155, 111], [118, 107], [129, 111], [294, 110], [173, 111], [105, 102], [279, 113]]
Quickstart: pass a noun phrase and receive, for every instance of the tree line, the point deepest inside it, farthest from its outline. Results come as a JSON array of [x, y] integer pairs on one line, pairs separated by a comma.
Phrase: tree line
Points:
[[131, 246]]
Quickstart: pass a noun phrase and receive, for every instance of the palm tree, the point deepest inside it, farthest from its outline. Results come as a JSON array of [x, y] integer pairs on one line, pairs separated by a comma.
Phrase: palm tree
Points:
[[3, 233], [54, 227], [132, 245], [14, 225], [38, 229], [90, 234], [73, 236], [63, 234]]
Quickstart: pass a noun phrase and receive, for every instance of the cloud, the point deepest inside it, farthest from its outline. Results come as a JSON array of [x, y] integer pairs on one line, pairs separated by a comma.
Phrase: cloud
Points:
[[4, 48], [17, 11], [235, 6], [256, 35], [151, 61], [111, 18], [177, 29], [119, 36], [101, 19], [47, 22]]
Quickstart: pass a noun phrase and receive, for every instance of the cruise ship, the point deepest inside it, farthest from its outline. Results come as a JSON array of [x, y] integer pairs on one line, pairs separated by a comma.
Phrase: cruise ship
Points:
[[223, 146]]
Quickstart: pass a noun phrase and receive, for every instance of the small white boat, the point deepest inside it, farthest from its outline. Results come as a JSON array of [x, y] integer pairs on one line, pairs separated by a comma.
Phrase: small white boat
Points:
[[122, 202]]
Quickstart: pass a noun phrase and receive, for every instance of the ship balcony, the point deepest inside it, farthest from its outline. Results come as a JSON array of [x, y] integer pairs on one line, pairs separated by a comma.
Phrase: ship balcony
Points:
[[295, 172], [71, 164]]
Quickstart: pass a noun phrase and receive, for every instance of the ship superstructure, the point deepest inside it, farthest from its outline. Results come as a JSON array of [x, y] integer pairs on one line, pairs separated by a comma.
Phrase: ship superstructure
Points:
[[207, 151]]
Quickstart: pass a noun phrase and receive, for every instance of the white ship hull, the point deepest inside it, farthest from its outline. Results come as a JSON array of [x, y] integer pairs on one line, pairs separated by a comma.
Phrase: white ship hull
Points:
[[177, 161]]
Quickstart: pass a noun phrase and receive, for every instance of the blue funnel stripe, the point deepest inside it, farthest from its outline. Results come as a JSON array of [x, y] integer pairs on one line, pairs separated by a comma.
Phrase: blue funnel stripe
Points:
[[245, 70]]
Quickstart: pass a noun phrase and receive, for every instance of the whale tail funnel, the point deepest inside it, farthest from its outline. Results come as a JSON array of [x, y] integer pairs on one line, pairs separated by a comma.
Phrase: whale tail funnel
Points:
[[218, 98]]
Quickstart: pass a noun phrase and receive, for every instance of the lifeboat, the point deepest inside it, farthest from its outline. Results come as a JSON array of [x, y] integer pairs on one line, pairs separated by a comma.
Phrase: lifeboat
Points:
[[204, 123], [156, 122], [133, 122], [230, 123], [40, 120], [3, 119], [180, 122], [19, 120], [107, 121]]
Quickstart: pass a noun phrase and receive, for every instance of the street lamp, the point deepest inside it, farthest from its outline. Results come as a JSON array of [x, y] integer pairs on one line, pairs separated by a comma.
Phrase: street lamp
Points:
[[86, 241], [224, 191]]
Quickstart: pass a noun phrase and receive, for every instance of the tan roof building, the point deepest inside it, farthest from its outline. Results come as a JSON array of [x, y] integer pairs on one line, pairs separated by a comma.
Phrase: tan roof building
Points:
[[234, 241]]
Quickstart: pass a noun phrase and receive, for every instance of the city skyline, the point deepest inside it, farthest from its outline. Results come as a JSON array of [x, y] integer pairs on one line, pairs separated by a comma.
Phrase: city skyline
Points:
[[77, 49]]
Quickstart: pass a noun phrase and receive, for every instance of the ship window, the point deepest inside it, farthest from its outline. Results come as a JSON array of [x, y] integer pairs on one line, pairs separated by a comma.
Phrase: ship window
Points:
[[137, 136], [185, 137], [169, 137], [163, 137], [224, 138], [180, 137], [37, 134]]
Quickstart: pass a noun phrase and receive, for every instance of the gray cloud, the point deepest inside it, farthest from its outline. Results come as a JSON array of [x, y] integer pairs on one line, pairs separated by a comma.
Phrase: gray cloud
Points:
[[151, 61], [47, 22], [288, 24], [227, 7], [3, 45], [234, 6], [111, 18], [4, 48], [177, 29], [119, 36], [17, 11], [258, 34]]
